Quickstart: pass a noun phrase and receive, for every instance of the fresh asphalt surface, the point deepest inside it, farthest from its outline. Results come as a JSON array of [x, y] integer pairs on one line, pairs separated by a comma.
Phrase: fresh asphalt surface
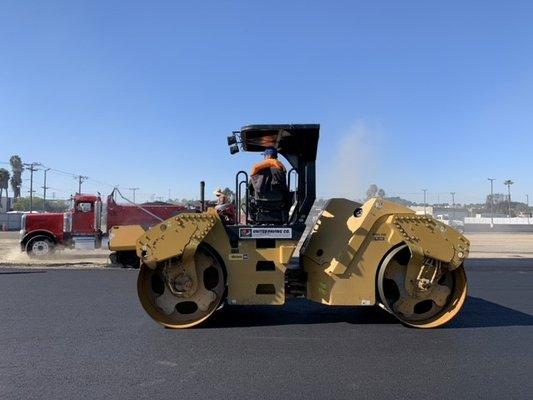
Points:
[[82, 334]]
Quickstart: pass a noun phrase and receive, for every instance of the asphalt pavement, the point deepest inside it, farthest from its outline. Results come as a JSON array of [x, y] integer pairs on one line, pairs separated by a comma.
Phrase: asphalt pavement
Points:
[[81, 334]]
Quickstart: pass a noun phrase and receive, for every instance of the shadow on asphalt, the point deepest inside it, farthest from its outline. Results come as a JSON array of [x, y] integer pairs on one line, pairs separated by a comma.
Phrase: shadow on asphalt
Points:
[[21, 272], [294, 312], [497, 264], [477, 313], [480, 313]]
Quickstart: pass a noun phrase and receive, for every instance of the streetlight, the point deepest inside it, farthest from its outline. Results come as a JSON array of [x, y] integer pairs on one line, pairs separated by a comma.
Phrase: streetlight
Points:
[[425, 203], [527, 208], [44, 188], [453, 205], [491, 201], [508, 183]]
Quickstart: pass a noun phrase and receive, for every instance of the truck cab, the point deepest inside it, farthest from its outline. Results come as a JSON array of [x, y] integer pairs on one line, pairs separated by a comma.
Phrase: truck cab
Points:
[[85, 212], [42, 232]]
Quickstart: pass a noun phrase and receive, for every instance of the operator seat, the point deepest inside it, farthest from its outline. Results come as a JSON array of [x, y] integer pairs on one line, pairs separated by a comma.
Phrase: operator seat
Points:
[[269, 197]]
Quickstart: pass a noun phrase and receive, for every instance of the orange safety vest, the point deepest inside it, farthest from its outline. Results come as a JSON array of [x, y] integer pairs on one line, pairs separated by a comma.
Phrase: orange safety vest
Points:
[[267, 163]]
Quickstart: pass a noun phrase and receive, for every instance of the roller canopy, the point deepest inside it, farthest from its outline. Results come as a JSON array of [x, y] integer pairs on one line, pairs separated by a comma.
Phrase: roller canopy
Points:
[[290, 140]]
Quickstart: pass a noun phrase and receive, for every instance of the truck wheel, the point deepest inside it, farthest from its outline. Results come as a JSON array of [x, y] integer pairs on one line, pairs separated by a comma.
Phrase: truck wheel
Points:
[[113, 258], [39, 246], [128, 259]]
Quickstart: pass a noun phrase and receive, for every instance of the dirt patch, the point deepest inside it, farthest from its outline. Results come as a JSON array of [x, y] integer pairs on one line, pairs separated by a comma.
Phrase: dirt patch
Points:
[[10, 254], [501, 245]]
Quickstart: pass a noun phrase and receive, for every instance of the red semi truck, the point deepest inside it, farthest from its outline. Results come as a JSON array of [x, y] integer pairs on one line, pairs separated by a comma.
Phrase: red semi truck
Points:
[[85, 221]]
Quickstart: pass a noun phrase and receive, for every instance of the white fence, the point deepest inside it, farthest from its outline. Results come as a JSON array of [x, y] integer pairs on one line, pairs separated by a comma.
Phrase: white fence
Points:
[[500, 221]]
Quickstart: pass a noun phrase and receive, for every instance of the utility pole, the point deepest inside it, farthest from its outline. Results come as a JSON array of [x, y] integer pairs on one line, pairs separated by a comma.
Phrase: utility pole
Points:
[[425, 202], [133, 189], [32, 167], [453, 205], [81, 179], [491, 201], [44, 189], [508, 183]]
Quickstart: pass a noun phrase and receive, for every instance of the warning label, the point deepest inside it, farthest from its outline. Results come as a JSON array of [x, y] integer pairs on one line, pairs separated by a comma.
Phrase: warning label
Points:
[[265, 233]]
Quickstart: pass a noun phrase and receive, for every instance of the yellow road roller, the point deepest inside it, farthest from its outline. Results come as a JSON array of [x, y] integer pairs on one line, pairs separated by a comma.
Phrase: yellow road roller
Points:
[[376, 253]]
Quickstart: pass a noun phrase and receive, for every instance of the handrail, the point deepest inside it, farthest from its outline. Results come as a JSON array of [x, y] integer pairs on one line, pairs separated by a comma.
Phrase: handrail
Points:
[[238, 195], [294, 200], [246, 199], [289, 178]]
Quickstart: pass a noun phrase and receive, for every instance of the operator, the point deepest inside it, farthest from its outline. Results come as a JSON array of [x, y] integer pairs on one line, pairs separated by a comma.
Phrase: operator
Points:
[[221, 198], [270, 161], [268, 175]]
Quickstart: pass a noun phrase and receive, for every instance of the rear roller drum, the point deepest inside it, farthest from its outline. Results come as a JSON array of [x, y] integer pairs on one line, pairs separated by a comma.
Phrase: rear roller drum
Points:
[[166, 297], [432, 303]]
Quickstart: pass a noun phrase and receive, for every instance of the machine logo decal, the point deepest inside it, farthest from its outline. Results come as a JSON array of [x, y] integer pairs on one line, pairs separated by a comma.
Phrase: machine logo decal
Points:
[[238, 257], [265, 233]]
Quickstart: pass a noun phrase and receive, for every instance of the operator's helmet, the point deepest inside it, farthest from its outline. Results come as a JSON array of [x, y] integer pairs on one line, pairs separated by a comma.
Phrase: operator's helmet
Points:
[[271, 151]]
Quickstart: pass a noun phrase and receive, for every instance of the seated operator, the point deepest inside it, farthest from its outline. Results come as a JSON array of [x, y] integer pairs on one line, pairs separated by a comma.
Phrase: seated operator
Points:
[[221, 198], [268, 174], [270, 161]]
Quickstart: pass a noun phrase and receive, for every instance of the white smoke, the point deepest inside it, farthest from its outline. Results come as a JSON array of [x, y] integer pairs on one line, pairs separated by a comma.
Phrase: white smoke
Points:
[[353, 156]]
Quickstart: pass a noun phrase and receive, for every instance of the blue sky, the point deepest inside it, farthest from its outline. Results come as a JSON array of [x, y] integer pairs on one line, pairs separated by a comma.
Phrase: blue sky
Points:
[[409, 95]]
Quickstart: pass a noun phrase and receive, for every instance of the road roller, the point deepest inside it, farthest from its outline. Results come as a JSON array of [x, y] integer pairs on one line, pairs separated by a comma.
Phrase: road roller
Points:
[[374, 254]]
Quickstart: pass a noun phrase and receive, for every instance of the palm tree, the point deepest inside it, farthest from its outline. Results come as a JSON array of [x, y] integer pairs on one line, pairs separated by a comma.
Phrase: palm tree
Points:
[[4, 182], [16, 179], [508, 183]]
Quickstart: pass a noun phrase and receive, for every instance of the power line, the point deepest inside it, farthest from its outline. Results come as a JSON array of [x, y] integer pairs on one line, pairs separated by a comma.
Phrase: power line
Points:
[[101, 183], [63, 172]]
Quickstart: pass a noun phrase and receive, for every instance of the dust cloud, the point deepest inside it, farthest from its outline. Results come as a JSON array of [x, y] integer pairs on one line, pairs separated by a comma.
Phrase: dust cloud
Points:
[[11, 255], [352, 157]]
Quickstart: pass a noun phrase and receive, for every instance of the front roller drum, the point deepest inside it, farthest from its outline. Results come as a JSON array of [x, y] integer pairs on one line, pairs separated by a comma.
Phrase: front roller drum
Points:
[[430, 305], [169, 307]]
